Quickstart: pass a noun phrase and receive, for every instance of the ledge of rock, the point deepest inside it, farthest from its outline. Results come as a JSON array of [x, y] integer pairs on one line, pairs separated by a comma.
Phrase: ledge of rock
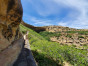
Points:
[[10, 54]]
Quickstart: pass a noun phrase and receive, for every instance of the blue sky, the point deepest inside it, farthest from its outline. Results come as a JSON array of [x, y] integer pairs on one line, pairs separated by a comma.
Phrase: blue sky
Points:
[[71, 13]]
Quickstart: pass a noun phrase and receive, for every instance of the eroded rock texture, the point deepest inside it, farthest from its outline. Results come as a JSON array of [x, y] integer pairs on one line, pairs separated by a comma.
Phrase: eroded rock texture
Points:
[[10, 37], [10, 18]]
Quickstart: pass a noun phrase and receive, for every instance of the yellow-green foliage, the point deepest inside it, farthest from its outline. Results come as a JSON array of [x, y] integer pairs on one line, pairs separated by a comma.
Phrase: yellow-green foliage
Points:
[[49, 53]]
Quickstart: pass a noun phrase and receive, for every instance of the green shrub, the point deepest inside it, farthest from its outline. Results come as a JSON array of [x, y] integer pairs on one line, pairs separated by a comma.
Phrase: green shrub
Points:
[[47, 35], [24, 32], [70, 36], [80, 37]]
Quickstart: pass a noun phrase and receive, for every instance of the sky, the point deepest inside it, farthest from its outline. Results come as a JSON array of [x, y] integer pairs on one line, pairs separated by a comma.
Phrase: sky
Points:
[[70, 13]]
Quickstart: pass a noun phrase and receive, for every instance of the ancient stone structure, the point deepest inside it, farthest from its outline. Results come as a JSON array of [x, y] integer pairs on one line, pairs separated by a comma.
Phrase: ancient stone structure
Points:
[[10, 37]]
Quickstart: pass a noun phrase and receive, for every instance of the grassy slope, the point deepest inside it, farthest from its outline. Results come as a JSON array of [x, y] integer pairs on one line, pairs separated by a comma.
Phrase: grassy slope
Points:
[[49, 53]]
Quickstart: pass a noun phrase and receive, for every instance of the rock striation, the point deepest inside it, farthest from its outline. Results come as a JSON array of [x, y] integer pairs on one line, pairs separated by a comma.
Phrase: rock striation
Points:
[[10, 38], [10, 18]]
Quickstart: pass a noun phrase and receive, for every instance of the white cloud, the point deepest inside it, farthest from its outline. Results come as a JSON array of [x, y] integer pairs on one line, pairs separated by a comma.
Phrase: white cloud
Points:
[[41, 22], [81, 20], [62, 24], [78, 18], [45, 7], [35, 21]]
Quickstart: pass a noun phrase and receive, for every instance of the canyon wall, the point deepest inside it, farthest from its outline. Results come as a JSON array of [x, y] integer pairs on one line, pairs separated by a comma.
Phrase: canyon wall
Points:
[[10, 38]]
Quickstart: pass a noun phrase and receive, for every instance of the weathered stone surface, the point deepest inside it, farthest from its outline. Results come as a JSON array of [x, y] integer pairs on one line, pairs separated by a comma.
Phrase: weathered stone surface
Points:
[[10, 54], [11, 40], [10, 18]]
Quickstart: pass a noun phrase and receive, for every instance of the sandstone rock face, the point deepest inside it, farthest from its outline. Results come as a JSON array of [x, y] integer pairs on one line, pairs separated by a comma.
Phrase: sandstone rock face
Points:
[[10, 18], [10, 37]]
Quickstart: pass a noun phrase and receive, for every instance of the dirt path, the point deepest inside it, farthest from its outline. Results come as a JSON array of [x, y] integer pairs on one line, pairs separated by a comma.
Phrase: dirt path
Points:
[[25, 58]]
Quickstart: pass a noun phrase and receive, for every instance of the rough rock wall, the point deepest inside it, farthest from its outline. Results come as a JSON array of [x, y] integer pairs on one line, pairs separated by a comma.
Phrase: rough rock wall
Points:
[[37, 29], [10, 38], [10, 54], [10, 18]]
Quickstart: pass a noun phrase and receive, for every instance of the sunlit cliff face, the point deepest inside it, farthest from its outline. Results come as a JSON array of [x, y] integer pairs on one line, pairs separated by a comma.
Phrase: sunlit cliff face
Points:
[[10, 18]]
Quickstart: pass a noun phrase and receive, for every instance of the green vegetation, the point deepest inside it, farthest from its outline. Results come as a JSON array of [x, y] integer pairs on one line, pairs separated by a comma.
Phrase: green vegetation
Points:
[[48, 53], [47, 35], [24, 32], [79, 32], [80, 37], [70, 36]]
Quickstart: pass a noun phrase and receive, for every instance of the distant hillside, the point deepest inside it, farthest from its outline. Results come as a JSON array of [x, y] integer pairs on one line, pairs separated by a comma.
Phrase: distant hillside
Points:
[[62, 35], [52, 28], [61, 29], [76, 38], [37, 29]]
